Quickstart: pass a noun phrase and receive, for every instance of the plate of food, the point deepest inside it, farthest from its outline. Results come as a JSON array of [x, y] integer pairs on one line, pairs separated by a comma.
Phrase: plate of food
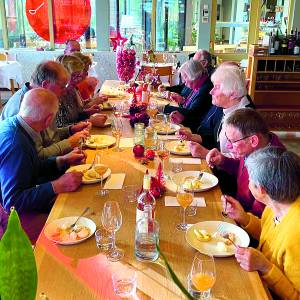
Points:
[[207, 239], [166, 128], [178, 147], [60, 231], [92, 175], [193, 183], [99, 141]]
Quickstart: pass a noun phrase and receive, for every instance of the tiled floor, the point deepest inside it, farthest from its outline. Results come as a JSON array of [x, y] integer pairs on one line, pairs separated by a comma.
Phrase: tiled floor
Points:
[[291, 143]]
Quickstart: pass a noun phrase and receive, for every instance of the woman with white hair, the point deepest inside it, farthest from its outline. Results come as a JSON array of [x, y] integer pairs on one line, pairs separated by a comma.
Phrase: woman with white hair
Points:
[[274, 181], [228, 94], [195, 105]]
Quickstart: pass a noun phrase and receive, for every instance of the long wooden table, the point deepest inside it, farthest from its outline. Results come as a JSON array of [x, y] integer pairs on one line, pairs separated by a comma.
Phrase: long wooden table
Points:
[[82, 272]]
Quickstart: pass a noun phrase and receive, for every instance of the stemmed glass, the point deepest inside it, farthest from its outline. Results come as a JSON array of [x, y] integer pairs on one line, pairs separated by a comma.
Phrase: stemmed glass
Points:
[[111, 219], [184, 199], [163, 155], [101, 169], [117, 128], [202, 276]]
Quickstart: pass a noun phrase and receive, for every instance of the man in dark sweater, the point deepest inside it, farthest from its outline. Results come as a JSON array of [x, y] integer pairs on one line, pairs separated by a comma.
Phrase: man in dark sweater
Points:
[[26, 182]]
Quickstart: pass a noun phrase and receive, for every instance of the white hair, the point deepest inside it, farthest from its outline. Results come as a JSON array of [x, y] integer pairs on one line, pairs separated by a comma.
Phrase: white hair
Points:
[[37, 104], [193, 69], [231, 79]]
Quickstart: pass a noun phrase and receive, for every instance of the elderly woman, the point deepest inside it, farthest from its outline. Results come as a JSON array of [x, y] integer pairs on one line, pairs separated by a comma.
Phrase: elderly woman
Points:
[[274, 181], [195, 105], [72, 107], [228, 94]]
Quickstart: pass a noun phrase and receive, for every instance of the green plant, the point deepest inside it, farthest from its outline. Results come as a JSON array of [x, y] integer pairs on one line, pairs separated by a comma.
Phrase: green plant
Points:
[[18, 274], [174, 276]]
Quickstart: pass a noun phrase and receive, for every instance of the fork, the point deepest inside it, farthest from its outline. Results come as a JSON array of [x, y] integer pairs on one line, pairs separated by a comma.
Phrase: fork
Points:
[[200, 175], [223, 233], [93, 163], [72, 226]]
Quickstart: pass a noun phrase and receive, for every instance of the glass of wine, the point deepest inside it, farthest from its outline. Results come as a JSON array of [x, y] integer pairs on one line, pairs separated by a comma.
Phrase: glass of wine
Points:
[[202, 276], [152, 109], [100, 169], [117, 128], [184, 199], [163, 154], [111, 219]]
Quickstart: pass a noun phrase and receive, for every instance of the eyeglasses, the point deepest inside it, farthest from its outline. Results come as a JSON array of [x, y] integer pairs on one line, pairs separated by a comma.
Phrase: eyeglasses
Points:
[[233, 142]]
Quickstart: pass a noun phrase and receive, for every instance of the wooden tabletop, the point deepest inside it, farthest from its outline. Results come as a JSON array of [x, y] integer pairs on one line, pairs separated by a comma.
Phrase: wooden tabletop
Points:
[[82, 272]]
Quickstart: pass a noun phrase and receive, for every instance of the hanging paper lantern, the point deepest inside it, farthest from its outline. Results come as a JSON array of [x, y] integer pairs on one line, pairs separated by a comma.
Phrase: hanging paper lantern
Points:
[[71, 18]]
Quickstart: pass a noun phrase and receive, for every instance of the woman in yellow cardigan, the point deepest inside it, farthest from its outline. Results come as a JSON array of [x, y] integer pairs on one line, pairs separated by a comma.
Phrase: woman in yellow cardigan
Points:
[[275, 181]]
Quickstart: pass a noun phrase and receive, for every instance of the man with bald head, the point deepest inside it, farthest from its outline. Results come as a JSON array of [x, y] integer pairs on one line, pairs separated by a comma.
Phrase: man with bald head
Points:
[[27, 182], [52, 141]]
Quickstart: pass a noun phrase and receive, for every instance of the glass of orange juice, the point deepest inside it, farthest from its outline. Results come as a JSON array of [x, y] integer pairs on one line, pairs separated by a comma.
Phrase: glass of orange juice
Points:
[[184, 199], [202, 276], [100, 170]]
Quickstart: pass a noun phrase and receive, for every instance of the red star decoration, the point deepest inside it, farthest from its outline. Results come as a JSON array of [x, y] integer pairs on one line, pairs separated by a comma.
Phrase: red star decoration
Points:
[[118, 41]]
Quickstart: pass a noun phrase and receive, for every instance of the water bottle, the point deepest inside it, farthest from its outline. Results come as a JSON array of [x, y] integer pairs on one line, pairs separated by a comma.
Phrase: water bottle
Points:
[[146, 236], [139, 134]]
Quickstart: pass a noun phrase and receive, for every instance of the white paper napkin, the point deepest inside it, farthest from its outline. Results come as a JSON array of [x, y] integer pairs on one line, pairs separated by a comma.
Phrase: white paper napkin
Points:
[[172, 201], [126, 142], [167, 137], [186, 160], [115, 181]]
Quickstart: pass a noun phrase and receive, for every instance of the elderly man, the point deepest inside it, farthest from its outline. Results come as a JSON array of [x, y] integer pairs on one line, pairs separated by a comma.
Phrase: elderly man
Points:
[[71, 47], [24, 178], [52, 141], [245, 131]]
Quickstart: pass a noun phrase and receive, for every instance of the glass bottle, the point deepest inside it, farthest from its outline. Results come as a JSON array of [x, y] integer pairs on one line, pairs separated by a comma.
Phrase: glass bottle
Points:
[[297, 45], [146, 236], [284, 45], [145, 198], [150, 137], [271, 44], [139, 134], [291, 43], [277, 43]]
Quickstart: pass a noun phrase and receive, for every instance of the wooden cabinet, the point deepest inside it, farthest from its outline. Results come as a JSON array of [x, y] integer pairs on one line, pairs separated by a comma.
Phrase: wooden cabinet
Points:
[[275, 89]]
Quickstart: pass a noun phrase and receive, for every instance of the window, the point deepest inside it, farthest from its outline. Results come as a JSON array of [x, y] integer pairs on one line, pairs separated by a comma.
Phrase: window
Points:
[[232, 26]]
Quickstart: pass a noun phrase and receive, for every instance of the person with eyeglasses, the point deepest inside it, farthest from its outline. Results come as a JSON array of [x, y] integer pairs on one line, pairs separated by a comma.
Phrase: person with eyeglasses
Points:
[[246, 131]]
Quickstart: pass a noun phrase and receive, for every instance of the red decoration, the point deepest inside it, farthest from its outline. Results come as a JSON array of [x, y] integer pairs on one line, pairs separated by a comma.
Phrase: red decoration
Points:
[[138, 150], [150, 154], [118, 41], [71, 18], [125, 63], [157, 184]]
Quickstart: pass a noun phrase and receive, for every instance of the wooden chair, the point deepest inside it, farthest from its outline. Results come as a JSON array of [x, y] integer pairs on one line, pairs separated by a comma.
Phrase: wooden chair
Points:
[[161, 71], [159, 57]]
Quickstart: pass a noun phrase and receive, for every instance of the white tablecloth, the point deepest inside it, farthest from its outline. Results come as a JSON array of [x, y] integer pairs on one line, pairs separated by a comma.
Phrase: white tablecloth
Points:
[[10, 70]]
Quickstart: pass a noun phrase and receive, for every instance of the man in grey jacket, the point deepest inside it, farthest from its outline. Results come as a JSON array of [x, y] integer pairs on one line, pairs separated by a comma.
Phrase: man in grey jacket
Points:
[[52, 141]]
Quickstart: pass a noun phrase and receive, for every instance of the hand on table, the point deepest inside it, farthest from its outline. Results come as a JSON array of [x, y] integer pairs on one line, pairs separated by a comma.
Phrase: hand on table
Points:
[[75, 157], [80, 126], [184, 133], [176, 98], [176, 117], [68, 182], [99, 99], [251, 259], [234, 210], [77, 137], [198, 150], [214, 158], [98, 120]]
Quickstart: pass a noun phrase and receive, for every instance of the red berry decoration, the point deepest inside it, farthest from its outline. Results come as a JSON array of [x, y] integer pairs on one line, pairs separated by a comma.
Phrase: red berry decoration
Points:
[[138, 151], [150, 154]]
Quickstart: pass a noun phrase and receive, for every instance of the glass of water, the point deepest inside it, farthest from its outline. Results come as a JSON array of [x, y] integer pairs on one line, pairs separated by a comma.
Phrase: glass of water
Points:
[[124, 282]]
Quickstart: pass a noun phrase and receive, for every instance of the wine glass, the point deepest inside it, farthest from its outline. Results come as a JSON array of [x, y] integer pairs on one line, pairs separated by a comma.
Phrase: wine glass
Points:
[[111, 219], [184, 199], [163, 155], [202, 276], [117, 128], [101, 169]]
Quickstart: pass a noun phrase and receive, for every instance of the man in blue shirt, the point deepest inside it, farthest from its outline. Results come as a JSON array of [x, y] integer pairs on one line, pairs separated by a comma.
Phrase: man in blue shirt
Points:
[[25, 180]]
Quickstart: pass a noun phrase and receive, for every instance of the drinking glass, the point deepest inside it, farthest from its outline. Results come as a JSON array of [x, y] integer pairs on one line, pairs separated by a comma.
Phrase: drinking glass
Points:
[[101, 169], [131, 192], [117, 128], [161, 118], [202, 276], [152, 109], [163, 155], [125, 282], [184, 199], [111, 219]]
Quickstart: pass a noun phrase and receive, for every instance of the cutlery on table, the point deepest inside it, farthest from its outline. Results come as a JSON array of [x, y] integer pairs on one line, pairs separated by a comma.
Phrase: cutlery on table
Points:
[[72, 226]]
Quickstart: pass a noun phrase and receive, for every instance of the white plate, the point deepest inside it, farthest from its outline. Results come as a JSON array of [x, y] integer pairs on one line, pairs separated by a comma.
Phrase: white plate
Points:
[[67, 221], [208, 180], [171, 146], [85, 180], [173, 129], [101, 141], [241, 238]]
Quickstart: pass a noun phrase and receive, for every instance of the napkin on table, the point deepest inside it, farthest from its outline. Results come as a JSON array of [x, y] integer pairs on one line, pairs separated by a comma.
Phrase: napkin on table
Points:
[[186, 160], [167, 137], [115, 181], [172, 201], [126, 142]]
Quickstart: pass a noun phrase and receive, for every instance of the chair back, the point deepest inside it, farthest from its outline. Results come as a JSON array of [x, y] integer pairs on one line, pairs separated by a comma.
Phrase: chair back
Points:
[[159, 57], [160, 70]]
